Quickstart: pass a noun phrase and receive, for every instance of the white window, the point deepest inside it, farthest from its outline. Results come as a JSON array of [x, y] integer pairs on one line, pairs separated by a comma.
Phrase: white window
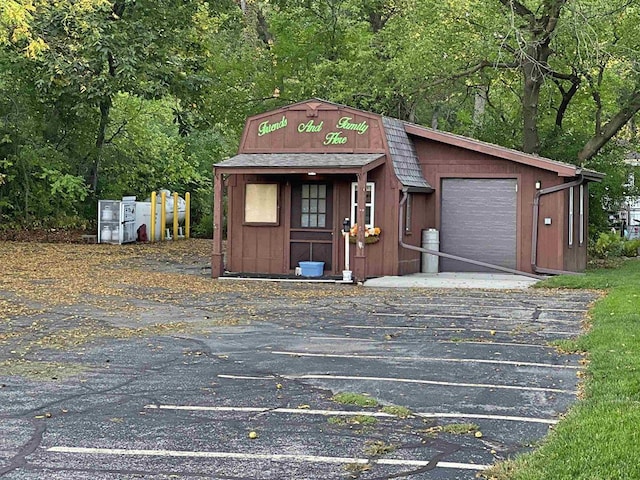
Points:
[[630, 181], [408, 207], [570, 216], [369, 204], [581, 214]]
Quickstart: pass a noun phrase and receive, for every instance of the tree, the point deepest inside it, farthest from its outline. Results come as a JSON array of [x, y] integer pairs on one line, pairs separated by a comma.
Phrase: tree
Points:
[[558, 48], [69, 68]]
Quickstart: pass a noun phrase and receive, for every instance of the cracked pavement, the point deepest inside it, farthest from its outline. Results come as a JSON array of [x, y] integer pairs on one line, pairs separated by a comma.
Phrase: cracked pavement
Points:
[[166, 378]]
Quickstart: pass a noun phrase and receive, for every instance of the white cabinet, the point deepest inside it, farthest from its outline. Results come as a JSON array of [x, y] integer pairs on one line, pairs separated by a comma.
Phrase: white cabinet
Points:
[[116, 220]]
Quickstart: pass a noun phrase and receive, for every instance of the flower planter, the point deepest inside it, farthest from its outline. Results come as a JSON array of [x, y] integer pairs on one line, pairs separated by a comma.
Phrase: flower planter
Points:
[[368, 240]]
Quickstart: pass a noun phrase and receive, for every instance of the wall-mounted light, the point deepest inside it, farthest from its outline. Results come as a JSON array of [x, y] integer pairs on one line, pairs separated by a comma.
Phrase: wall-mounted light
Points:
[[538, 184], [311, 174]]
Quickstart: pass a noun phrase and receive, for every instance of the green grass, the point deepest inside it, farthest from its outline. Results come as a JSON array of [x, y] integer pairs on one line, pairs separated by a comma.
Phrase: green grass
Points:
[[397, 410], [460, 428], [600, 437], [359, 399], [378, 448], [355, 420]]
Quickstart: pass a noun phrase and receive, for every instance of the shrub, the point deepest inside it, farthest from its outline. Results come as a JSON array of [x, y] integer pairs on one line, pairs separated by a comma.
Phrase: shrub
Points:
[[630, 248], [608, 244]]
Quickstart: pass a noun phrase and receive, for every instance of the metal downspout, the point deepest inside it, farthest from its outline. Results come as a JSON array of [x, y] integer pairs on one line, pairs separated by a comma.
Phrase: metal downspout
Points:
[[536, 218], [447, 255]]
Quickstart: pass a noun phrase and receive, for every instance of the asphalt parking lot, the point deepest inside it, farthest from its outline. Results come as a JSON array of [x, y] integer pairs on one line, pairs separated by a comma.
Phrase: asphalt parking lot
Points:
[[444, 384]]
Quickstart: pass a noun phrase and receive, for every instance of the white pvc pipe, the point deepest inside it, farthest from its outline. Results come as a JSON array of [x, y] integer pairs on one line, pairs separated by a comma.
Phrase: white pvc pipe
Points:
[[346, 250]]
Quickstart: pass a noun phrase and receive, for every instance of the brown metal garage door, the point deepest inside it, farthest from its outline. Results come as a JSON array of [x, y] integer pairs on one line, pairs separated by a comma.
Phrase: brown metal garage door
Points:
[[478, 221]]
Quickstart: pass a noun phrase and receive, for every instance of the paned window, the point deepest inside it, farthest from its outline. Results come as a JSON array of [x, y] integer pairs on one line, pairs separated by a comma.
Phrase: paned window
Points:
[[369, 204], [314, 206], [570, 216]]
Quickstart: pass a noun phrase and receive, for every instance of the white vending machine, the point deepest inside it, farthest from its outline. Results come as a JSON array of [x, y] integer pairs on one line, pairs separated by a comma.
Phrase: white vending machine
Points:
[[116, 220]]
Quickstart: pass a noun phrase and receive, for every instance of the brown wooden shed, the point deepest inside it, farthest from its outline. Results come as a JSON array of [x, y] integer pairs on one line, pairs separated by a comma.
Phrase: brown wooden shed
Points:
[[303, 169]]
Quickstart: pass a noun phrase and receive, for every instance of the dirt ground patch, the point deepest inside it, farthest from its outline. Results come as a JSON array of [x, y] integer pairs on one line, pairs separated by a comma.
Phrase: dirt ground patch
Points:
[[63, 295]]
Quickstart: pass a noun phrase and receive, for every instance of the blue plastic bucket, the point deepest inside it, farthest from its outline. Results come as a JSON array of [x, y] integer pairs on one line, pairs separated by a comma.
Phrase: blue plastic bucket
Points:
[[312, 269]]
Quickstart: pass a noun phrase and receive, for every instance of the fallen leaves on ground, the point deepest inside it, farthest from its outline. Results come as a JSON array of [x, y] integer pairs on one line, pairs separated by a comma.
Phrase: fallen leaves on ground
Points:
[[60, 296]]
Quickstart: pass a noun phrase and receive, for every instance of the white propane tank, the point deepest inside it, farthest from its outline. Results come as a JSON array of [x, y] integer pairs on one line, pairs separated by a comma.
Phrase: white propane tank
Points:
[[107, 213], [105, 234], [170, 207]]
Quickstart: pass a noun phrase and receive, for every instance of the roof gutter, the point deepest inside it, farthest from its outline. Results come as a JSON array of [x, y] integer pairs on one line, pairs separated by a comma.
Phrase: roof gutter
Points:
[[405, 194], [536, 217]]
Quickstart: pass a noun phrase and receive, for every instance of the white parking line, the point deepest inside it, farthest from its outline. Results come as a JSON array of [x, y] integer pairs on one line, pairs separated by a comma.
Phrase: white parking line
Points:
[[489, 343], [475, 318], [349, 339], [426, 359], [404, 380], [481, 416], [347, 413], [297, 411], [442, 329], [439, 315], [456, 329], [541, 329], [247, 377], [263, 456], [499, 307]]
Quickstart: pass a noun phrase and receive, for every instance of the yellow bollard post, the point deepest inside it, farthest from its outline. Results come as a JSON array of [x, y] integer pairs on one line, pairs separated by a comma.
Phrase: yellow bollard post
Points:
[[163, 214], [187, 215], [152, 232], [175, 215]]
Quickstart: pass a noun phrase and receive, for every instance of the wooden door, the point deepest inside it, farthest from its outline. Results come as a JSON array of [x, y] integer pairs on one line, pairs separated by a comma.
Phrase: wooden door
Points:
[[311, 235]]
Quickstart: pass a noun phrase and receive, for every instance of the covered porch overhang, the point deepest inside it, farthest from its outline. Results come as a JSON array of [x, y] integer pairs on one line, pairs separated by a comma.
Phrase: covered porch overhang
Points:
[[284, 163], [300, 163]]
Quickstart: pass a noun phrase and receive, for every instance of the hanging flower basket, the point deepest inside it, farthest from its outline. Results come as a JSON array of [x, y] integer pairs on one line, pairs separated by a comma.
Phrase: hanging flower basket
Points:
[[371, 234], [367, 240]]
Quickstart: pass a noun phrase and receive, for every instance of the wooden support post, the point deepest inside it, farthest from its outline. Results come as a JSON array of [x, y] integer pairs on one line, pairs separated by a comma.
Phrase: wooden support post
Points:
[[360, 259], [217, 260]]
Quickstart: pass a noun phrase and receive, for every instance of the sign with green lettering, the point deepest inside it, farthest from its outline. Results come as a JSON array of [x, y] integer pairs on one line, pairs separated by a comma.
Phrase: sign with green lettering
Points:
[[336, 135], [346, 124], [310, 127], [266, 127]]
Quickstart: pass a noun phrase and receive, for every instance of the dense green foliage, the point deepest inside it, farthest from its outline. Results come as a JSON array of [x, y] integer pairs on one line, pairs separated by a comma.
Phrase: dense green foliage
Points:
[[100, 98], [599, 437]]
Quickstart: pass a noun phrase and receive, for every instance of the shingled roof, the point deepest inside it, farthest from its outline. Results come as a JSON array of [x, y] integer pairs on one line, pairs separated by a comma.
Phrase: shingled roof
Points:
[[403, 155], [300, 160]]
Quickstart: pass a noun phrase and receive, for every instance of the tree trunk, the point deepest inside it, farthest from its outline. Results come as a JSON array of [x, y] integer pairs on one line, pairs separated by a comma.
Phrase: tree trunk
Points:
[[118, 9], [105, 110], [480, 105], [530, 101], [533, 55]]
